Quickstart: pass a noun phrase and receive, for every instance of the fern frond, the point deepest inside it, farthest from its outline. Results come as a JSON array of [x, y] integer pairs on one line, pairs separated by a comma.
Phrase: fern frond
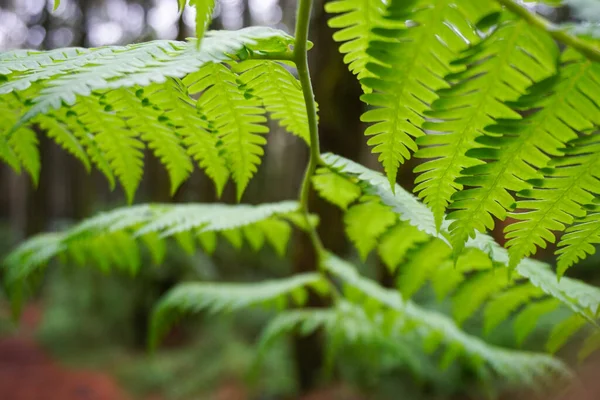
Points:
[[280, 93], [134, 65], [184, 115], [410, 63], [497, 70], [563, 331], [122, 147], [573, 183], [578, 241], [227, 297], [143, 115], [356, 21], [419, 267], [581, 298], [204, 11], [366, 222], [111, 238], [513, 152], [238, 120], [526, 320], [69, 118], [57, 130], [517, 367], [590, 346], [18, 150], [396, 243], [335, 188]]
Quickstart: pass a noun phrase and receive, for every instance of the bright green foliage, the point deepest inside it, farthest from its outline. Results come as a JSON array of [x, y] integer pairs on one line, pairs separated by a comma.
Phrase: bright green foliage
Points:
[[504, 118], [238, 119], [110, 101], [335, 188], [422, 262], [396, 243], [204, 11], [227, 297], [573, 182], [111, 238], [279, 92], [590, 345], [579, 241], [475, 280], [546, 131], [494, 72], [357, 20], [562, 331], [365, 222], [401, 317], [403, 74], [21, 148]]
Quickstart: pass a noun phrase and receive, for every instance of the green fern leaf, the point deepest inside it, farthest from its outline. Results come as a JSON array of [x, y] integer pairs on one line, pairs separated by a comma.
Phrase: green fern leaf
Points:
[[581, 298], [473, 293], [555, 201], [120, 228], [63, 136], [450, 274], [578, 242], [515, 366], [504, 304], [24, 143], [563, 331], [475, 100], [279, 92], [238, 119], [335, 188], [366, 222], [204, 11], [410, 64], [590, 345], [190, 122], [220, 297], [138, 64], [527, 319], [397, 242], [120, 145], [420, 266], [356, 20], [148, 121], [20, 148]]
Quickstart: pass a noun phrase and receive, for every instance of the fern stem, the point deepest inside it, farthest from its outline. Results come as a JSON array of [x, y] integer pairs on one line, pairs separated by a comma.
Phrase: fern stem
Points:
[[301, 60], [586, 48]]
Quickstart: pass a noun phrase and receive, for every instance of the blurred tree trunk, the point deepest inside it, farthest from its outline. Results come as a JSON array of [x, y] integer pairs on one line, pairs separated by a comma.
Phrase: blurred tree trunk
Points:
[[337, 93]]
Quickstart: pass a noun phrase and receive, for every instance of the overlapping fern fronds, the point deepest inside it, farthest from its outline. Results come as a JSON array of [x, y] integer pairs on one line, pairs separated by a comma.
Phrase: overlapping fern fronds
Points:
[[486, 107], [228, 297], [493, 72], [392, 319], [404, 64], [475, 280], [105, 104], [114, 238]]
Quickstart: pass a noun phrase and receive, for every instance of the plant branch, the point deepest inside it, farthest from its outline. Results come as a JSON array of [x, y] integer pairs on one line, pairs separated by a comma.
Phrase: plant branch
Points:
[[301, 60], [588, 49]]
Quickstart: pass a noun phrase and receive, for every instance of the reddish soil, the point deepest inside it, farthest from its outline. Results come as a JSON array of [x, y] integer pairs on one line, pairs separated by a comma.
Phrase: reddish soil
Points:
[[27, 373]]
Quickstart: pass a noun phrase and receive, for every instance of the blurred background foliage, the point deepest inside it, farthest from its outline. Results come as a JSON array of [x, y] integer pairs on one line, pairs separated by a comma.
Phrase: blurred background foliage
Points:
[[95, 320]]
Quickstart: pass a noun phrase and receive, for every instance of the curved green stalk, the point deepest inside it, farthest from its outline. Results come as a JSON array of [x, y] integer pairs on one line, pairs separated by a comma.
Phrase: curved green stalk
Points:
[[588, 49], [301, 60]]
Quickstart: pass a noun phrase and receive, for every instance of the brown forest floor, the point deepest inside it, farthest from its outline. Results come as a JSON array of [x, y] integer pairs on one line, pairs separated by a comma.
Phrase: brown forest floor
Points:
[[28, 373]]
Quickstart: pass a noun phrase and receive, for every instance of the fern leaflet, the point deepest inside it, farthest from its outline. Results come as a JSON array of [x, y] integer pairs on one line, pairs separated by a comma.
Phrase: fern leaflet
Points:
[[517, 53]]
